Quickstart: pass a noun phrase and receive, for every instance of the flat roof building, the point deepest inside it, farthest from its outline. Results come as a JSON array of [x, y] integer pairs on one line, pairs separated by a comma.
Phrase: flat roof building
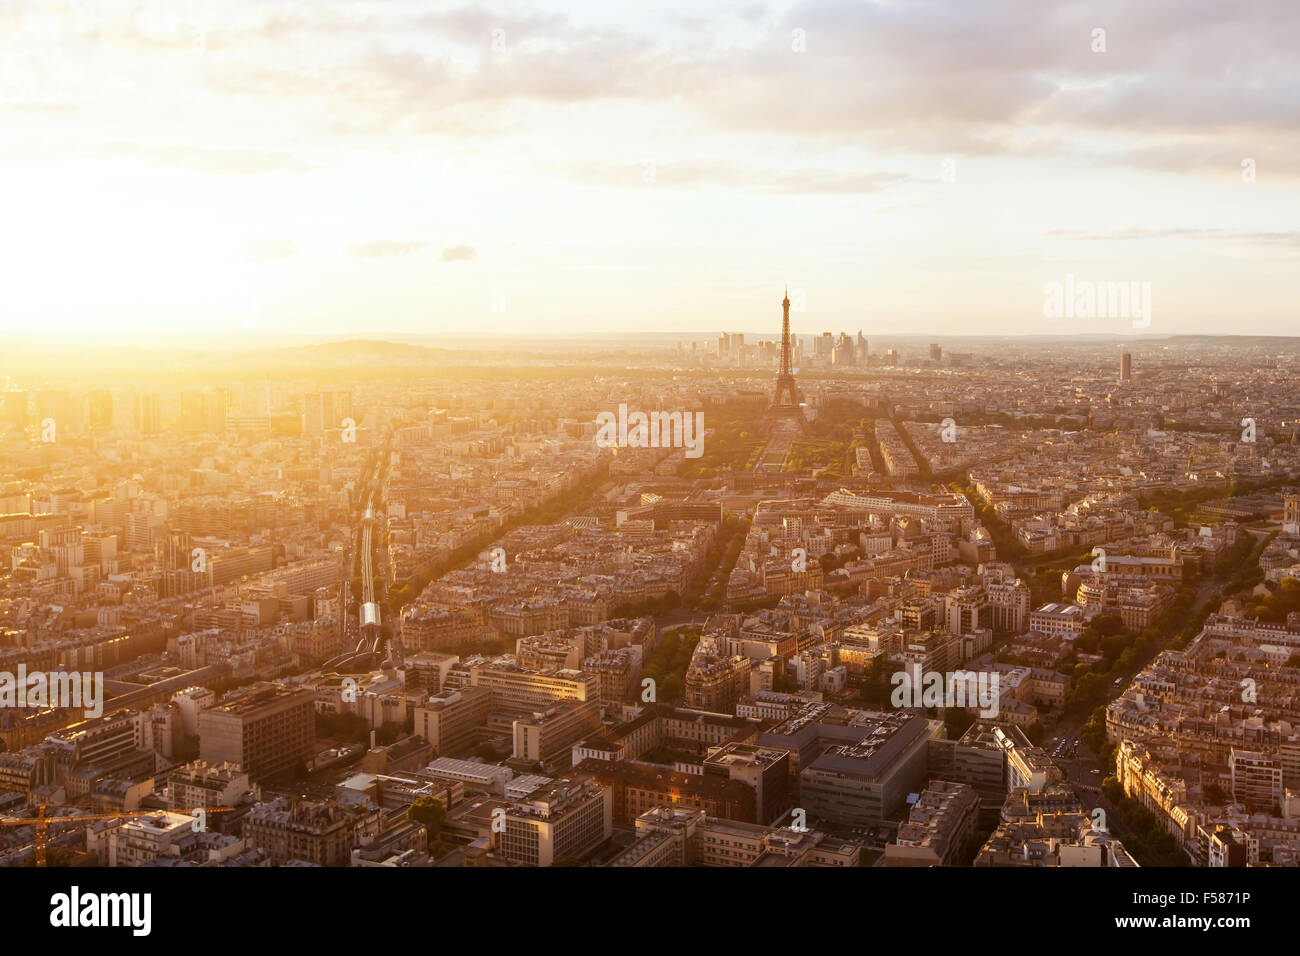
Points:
[[565, 819], [266, 730]]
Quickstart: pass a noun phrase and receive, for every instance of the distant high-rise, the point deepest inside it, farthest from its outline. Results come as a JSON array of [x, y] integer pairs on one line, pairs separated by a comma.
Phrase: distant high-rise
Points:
[[148, 413], [1125, 367], [325, 410], [192, 411], [60, 406], [843, 352], [15, 408], [215, 404], [936, 353], [99, 410]]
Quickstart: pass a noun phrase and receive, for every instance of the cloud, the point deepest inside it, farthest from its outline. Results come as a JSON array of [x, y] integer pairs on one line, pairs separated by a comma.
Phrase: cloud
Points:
[[1249, 237], [386, 248], [267, 250], [457, 254], [478, 26], [199, 159], [717, 174], [1183, 86]]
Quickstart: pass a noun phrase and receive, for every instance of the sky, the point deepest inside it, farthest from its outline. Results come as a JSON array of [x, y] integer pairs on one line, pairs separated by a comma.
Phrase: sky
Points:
[[575, 168]]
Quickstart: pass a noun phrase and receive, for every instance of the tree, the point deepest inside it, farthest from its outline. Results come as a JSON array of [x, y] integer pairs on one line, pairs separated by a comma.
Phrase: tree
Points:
[[1107, 625], [429, 812]]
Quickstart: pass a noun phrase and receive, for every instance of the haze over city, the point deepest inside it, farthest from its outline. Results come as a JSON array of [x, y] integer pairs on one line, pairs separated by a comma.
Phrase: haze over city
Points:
[[465, 440]]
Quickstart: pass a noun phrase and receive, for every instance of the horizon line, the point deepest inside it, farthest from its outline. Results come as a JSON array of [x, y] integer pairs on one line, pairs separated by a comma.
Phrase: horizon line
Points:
[[137, 338]]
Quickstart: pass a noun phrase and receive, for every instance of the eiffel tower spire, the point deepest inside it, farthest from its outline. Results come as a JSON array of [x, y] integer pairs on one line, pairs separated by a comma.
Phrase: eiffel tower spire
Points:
[[785, 339], [787, 400]]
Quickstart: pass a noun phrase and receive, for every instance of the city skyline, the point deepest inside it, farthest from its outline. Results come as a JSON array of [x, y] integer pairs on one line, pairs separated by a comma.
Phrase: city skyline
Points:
[[832, 602], [857, 435]]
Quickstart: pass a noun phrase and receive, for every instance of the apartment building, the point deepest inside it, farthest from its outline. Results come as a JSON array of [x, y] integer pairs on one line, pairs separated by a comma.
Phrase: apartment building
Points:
[[1053, 839], [450, 720], [619, 673], [266, 730], [315, 832], [516, 686], [470, 774], [142, 840], [548, 734], [636, 787], [939, 827], [671, 836], [565, 819], [715, 682], [865, 779], [1008, 606], [1058, 620], [1256, 779], [765, 770], [435, 627], [201, 784]]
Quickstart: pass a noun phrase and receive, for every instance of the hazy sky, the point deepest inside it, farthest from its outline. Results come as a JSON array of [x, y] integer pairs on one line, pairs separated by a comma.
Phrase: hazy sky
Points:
[[412, 166]]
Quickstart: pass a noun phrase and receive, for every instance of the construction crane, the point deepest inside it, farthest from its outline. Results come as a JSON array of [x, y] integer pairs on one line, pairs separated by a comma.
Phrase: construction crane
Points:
[[42, 822]]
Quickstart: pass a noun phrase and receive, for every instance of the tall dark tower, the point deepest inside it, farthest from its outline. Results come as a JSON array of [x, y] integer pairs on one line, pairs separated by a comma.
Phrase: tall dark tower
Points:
[[786, 401]]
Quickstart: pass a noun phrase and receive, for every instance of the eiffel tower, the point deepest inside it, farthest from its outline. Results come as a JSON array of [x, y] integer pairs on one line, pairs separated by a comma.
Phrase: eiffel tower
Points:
[[786, 401]]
